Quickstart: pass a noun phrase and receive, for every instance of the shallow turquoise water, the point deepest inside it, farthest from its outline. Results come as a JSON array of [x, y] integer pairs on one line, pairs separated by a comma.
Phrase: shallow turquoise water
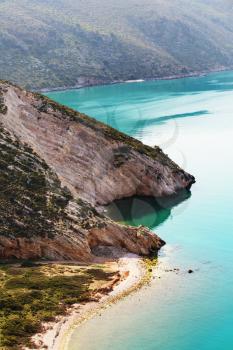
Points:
[[192, 120]]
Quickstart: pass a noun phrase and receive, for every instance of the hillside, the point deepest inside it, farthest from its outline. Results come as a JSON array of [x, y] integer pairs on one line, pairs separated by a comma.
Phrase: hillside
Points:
[[49, 44], [57, 167]]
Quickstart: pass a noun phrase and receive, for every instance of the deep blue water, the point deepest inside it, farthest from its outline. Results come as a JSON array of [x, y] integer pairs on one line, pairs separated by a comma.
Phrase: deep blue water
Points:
[[192, 120]]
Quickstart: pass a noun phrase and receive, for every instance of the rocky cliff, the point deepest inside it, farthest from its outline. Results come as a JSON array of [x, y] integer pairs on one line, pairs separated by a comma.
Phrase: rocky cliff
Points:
[[57, 165]]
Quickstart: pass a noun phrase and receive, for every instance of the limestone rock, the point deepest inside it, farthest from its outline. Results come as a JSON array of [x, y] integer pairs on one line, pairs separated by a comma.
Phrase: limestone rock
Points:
[[62, 165]]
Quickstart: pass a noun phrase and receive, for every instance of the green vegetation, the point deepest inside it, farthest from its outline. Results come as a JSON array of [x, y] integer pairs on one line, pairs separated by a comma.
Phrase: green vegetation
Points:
[[31, 198], [3, 107], [32, 295], [62, 43]]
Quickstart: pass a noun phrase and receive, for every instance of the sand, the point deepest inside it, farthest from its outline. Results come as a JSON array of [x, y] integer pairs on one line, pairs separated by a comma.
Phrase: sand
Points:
[[56, 335]]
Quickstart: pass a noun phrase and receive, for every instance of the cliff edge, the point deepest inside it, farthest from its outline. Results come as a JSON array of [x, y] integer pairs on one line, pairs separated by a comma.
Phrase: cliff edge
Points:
[[57, 166]]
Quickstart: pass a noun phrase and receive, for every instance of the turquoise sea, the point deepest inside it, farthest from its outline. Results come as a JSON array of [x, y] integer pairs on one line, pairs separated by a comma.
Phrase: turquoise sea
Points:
[[192, 120]]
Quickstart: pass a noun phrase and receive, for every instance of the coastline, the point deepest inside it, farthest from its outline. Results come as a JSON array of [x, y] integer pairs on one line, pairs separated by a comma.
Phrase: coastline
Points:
[[151, 270], [135, 272], [138, 80]]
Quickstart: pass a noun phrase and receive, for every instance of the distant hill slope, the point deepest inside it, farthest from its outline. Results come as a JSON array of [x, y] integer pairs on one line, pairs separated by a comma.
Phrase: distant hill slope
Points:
[[64, 42]]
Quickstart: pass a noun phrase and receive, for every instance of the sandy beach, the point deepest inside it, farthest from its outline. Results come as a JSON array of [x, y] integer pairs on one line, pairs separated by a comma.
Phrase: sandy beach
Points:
[[134, 273]]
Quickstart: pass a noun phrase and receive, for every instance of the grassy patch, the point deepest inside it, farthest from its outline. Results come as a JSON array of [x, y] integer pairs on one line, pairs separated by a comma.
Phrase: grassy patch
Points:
[[31, 295]]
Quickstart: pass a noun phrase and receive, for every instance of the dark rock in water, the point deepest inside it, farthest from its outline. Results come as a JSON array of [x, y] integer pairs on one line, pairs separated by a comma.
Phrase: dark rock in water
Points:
[[190, 271]]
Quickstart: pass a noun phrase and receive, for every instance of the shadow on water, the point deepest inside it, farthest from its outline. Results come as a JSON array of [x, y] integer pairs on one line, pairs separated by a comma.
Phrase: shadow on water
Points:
[[162, 120], [147, 211], [140, 124]]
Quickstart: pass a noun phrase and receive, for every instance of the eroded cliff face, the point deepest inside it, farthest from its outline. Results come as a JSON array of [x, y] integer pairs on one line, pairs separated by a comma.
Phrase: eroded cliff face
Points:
[[56, 166], [96, 162], [40, 219]]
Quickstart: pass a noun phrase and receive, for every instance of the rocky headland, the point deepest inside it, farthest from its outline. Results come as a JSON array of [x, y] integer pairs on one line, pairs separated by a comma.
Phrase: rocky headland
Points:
[[58, 166], [58, 169]]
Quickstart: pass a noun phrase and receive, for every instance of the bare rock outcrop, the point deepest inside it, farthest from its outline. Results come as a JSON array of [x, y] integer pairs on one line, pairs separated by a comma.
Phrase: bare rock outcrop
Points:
[[57, 165], [96, 162]]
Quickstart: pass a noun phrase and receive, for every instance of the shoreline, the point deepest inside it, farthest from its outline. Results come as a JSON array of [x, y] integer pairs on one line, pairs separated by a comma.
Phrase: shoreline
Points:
[[106, 83], [135, 272], [150, 269]]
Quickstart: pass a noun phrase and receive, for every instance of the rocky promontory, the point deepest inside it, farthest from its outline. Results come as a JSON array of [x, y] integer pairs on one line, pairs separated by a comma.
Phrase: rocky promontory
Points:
[[57, 167]]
